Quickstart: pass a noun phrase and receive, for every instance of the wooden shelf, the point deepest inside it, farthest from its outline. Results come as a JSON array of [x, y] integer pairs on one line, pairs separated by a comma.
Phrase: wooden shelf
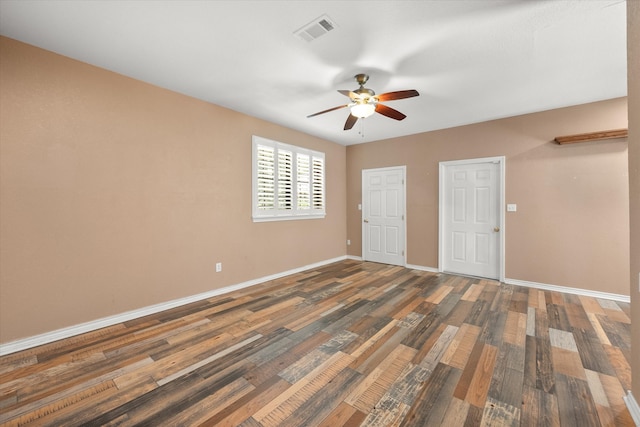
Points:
[[593, 136]]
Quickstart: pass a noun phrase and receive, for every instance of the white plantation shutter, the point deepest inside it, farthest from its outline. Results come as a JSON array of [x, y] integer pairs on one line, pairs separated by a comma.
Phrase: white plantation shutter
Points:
[[317, 183], [285, 180], [288, 181], [303, 181], [265, 181]]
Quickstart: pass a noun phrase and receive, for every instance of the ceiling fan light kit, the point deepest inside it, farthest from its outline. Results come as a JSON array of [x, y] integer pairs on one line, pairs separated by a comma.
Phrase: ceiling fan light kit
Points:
[[363, 110], [364, 102]]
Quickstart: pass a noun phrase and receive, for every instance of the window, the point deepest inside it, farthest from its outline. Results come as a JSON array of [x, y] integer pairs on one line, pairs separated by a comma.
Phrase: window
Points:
[[288, 181]]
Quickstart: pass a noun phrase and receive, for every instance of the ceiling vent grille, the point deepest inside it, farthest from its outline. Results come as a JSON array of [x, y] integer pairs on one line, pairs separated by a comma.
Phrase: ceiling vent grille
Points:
[[316, 28]]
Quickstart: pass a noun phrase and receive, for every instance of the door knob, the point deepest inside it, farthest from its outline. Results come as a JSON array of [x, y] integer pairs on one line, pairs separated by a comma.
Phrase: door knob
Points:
[[496, 229], [366, 220]]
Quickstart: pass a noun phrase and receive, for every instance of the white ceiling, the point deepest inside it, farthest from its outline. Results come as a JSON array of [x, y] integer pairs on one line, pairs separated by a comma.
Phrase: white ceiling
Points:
[[471, 60]]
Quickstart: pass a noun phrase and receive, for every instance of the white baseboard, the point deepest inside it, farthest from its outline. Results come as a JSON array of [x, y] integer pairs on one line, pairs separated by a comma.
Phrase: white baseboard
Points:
[[423, 268], [48, 337], [568, 290], [633, 407]]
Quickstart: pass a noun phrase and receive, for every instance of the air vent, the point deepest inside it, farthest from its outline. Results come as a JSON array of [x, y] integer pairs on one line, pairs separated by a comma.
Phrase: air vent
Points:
[[316, 28]]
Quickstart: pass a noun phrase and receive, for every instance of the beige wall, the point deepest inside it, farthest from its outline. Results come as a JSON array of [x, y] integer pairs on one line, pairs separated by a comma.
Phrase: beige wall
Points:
[[116, 195], [113, 194], [571, 227], [633, 66]]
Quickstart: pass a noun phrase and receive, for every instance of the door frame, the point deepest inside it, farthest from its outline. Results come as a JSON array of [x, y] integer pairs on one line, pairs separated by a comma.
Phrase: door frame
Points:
[[500, 160], [404, 208]]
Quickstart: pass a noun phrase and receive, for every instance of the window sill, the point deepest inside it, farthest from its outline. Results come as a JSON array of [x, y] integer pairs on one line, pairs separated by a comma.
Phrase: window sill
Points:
[[287, 217]]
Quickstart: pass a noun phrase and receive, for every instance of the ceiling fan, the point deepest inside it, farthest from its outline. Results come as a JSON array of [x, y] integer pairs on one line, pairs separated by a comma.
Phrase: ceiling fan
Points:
[[365, 102]]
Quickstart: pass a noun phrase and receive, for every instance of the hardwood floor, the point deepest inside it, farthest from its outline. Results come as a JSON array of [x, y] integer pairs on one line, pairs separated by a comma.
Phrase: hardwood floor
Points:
[[349, 344]]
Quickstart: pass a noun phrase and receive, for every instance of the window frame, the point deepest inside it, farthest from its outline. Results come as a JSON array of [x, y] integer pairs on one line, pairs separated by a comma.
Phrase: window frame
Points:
[[316, 183]]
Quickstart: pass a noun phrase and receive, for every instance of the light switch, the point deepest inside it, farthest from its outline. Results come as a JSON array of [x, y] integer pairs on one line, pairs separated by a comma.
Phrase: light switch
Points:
[[512, 207]]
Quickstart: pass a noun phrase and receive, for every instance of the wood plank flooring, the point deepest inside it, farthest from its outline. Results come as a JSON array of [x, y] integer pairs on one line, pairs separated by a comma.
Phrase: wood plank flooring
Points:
[[348, 344]]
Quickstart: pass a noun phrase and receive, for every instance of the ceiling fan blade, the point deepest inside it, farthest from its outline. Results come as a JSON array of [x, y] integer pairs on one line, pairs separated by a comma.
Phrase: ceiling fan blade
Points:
[[351, 120], [401, 94], [348, 93], [326, 111], [389, 112]]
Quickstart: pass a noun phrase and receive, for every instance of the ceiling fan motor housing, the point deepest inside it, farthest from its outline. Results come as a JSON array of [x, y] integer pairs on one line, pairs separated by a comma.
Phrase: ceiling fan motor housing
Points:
[[364, 93]]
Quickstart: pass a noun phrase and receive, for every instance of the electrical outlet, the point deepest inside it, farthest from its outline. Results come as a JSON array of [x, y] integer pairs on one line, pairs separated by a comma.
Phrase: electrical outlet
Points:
[[218, 267], [348, 242]]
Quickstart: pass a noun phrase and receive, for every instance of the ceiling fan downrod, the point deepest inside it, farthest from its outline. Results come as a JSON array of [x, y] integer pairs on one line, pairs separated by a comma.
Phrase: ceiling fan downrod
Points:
[[362, 91]]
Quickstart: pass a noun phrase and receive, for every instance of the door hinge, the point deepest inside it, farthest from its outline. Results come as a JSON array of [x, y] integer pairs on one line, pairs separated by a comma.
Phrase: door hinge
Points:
[[403, 217], [402, 253]]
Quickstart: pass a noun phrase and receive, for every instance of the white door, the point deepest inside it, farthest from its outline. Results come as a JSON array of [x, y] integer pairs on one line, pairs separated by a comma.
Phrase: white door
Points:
[[471, 218], [383, 210]]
